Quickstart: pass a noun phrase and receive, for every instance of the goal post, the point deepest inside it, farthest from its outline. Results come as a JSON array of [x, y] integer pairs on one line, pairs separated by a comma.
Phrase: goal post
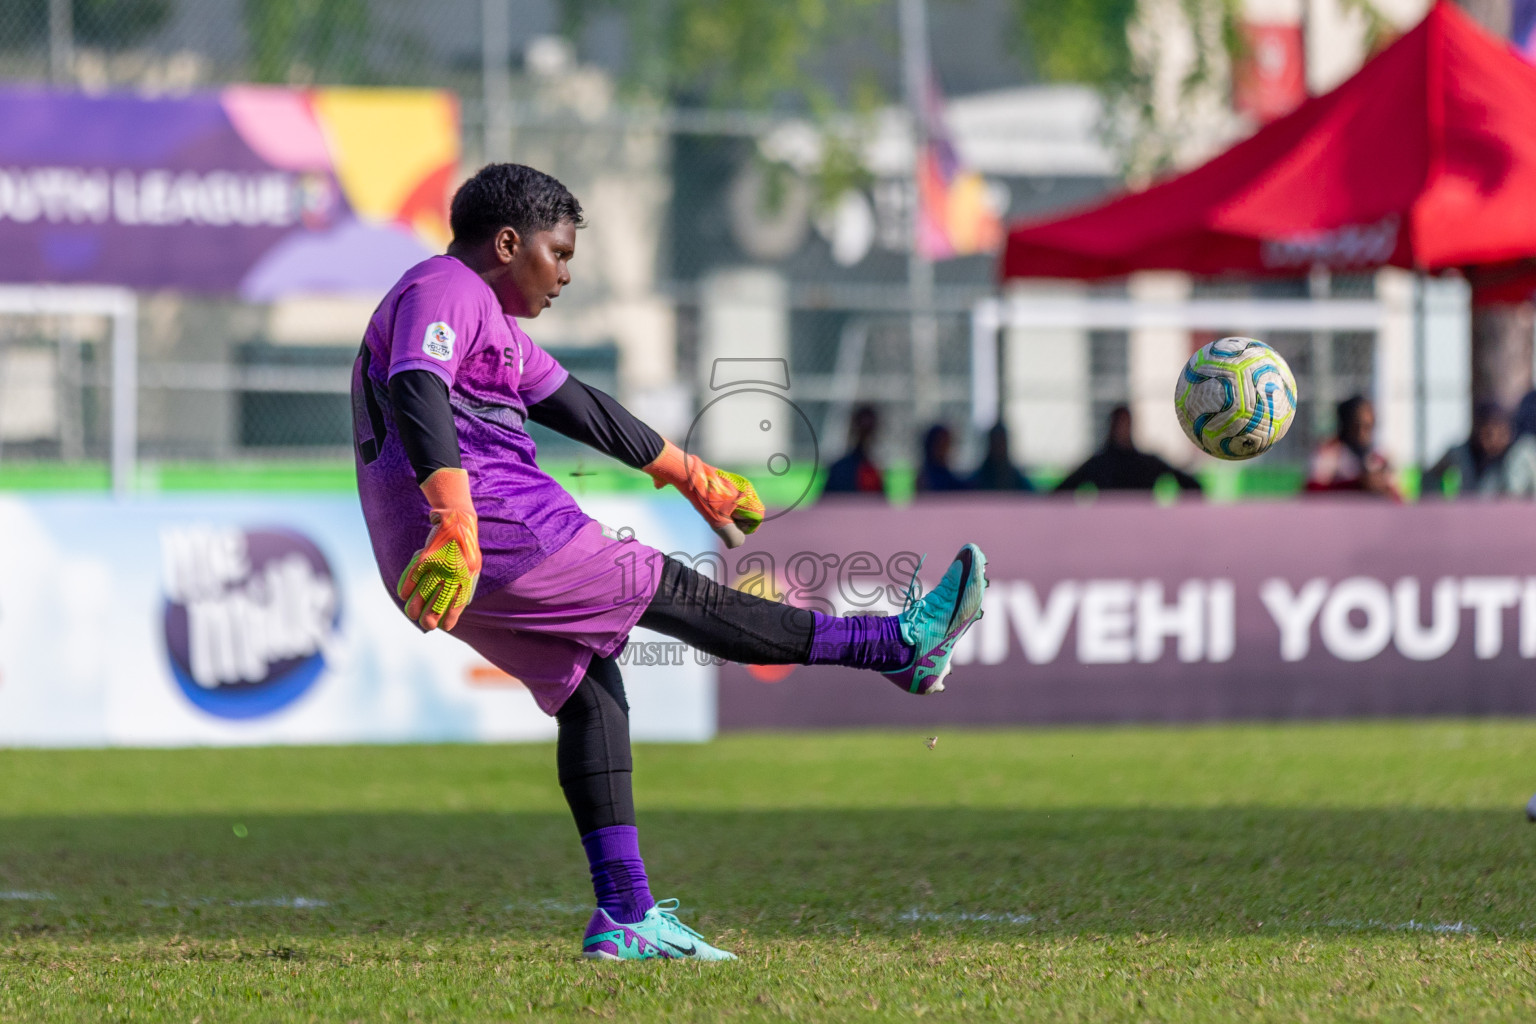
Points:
[[121, 308]]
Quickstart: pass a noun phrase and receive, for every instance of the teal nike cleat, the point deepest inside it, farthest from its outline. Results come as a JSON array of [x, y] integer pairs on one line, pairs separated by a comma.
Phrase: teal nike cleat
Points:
[[932, 623], [657, 935]]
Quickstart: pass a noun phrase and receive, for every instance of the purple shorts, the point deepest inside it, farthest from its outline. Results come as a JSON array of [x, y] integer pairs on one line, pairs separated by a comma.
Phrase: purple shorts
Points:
[[544, 627]]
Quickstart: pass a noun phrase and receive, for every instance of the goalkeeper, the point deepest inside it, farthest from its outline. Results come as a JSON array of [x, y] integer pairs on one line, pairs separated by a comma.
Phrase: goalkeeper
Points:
[[472, 536]]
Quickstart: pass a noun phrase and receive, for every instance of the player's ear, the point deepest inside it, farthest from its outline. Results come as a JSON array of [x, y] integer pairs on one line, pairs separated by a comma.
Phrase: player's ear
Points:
[[507, 241]]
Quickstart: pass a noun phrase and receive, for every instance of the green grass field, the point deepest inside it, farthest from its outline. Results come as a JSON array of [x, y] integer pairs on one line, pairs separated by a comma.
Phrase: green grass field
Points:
[[1295, 873]]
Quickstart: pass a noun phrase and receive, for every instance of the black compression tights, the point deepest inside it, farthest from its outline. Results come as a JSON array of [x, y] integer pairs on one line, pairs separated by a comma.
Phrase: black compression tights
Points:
[[592, 752], [727, 623]]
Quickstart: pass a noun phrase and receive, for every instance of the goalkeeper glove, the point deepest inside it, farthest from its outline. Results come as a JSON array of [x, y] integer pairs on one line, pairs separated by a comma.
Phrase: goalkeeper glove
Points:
[[728, 502], [440, 578]]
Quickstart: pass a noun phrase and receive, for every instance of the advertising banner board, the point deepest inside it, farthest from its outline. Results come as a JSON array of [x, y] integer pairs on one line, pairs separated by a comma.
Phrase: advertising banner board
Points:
[[253, 190], [211, 621], [1122, 610]]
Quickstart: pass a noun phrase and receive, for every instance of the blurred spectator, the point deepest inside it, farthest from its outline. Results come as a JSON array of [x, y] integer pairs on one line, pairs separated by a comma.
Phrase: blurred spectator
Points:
[[934, 474], [856, 472], [1349, 461], [997, 471], [1525, 415], [1119, 466], [1491, 462]]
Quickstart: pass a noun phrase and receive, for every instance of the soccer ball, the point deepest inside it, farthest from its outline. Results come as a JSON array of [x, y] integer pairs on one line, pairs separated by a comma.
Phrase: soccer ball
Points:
[[1235, 398]]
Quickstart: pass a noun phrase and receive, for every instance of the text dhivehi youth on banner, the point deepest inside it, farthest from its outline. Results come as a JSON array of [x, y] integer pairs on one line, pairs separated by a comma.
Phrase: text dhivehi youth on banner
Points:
[[1125, 610], [1120, 621]]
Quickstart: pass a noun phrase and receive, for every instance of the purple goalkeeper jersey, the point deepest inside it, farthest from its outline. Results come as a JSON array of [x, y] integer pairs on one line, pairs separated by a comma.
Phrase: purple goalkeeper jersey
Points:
[[442, 318]]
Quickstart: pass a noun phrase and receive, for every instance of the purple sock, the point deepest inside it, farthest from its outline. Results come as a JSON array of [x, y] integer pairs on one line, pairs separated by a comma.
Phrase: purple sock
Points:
[[859, 641], [618, 873]]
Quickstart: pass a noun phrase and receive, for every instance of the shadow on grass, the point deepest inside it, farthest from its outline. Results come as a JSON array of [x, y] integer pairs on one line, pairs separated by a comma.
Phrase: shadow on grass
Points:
[[969, 872]]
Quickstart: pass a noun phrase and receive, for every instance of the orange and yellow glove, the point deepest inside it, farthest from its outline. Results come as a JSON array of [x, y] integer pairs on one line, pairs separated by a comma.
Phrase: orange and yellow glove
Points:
[[728, 502], [440, 578]]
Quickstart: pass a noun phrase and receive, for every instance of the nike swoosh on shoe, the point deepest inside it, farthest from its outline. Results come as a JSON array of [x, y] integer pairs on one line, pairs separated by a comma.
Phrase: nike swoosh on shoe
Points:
[[966, 562]]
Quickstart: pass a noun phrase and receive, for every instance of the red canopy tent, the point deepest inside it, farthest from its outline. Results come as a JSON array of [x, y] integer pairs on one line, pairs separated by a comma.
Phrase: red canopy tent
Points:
[[1425, 159]]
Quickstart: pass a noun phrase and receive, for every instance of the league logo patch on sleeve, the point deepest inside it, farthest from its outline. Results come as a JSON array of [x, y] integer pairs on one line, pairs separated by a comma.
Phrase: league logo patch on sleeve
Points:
[[438, 342]]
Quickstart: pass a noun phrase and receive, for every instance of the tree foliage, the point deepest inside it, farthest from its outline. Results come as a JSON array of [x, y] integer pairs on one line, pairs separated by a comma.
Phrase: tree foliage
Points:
[[307, 40], [730, 52], [1076, 40]]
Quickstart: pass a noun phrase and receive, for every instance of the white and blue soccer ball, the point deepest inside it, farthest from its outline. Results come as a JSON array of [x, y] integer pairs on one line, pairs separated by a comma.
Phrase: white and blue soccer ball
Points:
[[1235, 398]]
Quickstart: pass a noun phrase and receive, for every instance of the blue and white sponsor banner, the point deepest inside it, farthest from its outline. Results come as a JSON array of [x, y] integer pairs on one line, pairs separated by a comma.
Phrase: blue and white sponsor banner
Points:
[[191, 621]]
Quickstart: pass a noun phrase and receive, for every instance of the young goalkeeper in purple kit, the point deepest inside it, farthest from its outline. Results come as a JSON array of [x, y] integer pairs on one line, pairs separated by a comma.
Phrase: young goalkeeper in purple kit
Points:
[[473, 537]]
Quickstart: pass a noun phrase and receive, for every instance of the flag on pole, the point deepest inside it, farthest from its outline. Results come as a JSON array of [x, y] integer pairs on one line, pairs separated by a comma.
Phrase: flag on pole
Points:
[[1522, 29], [957, 214]]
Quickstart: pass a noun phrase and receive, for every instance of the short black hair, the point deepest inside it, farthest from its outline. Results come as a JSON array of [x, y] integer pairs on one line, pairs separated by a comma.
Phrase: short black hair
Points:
[[1488, 411], [1349, 411], [510, 195]]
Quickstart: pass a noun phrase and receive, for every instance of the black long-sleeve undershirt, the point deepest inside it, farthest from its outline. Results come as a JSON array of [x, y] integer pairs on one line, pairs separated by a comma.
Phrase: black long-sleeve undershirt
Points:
[[596, 419], [424, 416]]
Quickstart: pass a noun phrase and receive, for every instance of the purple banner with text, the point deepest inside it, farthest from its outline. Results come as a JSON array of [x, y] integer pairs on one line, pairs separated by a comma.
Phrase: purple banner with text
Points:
[[257, 191], [1123, 610]]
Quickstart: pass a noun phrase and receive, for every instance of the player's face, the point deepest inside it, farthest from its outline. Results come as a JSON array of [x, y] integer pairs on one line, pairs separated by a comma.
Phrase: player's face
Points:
[[538, 267]]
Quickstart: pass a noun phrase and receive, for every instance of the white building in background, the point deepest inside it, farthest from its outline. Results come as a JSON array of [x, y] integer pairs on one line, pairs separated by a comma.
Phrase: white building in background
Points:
[[1337, 31]]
